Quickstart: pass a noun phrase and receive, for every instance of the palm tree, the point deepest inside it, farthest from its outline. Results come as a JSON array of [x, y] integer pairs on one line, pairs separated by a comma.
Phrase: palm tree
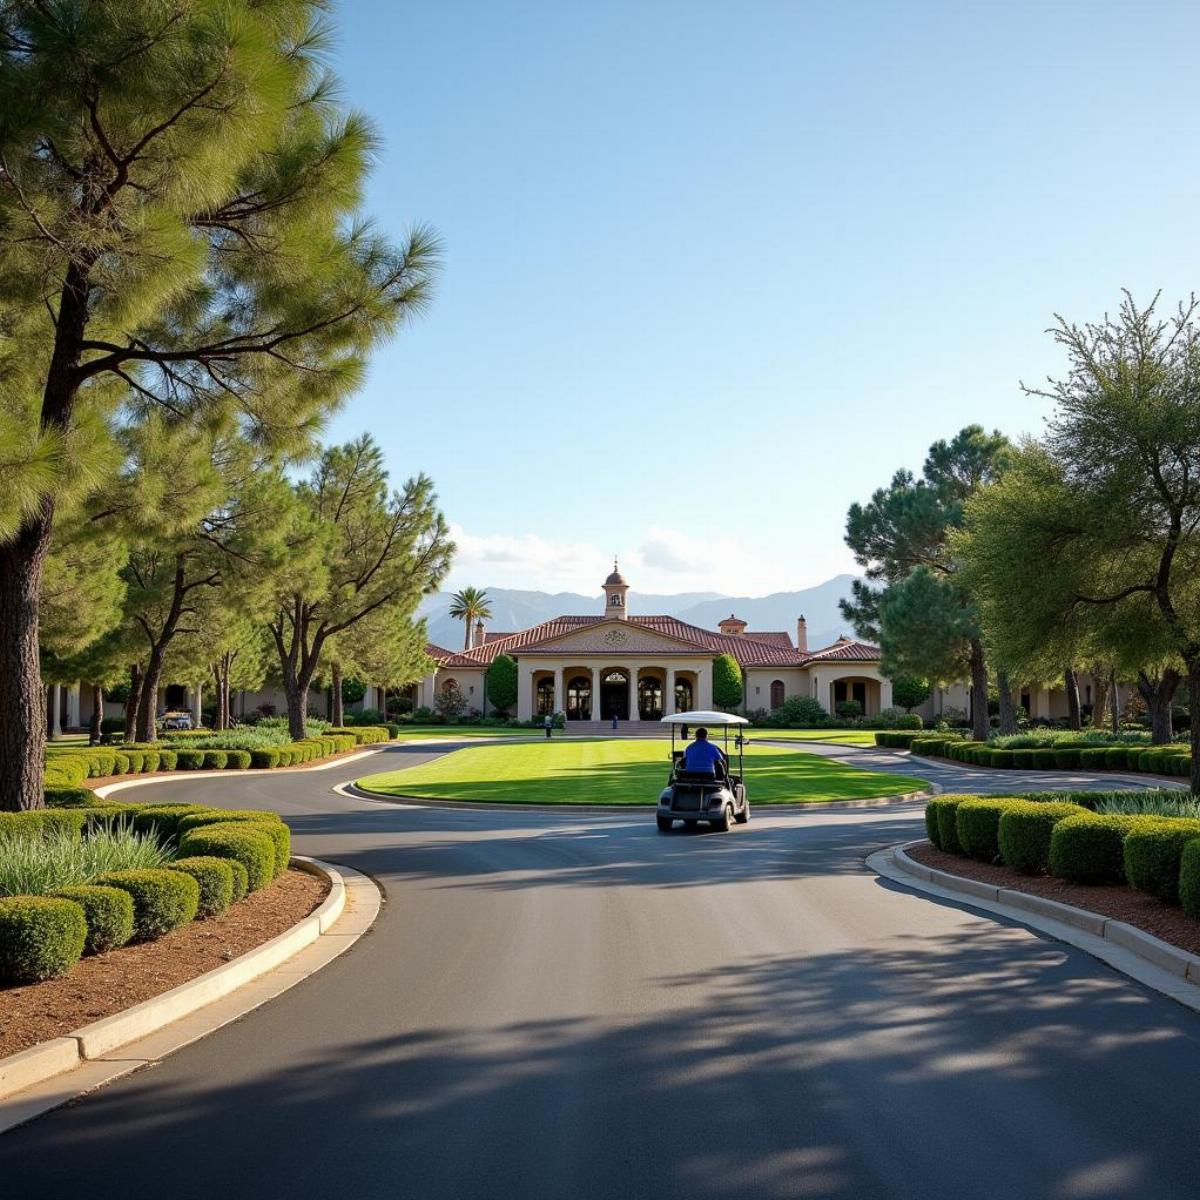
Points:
[[470, 605]]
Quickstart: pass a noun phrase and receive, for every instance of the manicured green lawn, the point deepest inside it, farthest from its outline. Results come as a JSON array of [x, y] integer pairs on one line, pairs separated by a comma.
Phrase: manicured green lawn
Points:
[[615, 771], [840, 737], [407, 733]]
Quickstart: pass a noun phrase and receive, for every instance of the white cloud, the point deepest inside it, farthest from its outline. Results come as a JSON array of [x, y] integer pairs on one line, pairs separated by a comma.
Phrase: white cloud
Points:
[[665, 560]]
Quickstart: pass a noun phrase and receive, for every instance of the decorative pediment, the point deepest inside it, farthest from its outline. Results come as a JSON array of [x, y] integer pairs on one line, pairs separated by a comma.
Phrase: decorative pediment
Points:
[[610, 638]]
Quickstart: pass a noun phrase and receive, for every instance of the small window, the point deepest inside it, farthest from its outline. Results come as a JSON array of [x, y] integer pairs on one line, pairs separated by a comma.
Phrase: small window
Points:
[[778, 693], [451, 685]]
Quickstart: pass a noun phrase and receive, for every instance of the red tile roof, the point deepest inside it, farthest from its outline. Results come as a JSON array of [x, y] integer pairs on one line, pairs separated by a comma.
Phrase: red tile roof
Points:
[[448, 658], [770, 649]]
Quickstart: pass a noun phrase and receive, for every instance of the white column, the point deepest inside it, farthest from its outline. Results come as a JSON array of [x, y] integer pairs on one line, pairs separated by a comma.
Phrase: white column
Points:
[[704, 698], [595, 694], [669, 698], [524, 692], [633, 705], [73, 706], [55, 710], [559, 705], [197, 704], [885, 693]]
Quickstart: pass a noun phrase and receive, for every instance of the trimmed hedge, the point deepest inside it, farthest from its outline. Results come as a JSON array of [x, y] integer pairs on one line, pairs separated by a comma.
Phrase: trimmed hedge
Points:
[[977, 825], [237, 760], [189, 760], [241, 880], [60, 796], [163, 819], [162, 899], [1154, 852], [35, 822], [245, 841], [1189, 879], [264, 759], [1066, 759], [1090, 847], [270, 822], [1025, 830], [940, 821], [41, 937], [108, 912], [1094, 758], [215, 877]]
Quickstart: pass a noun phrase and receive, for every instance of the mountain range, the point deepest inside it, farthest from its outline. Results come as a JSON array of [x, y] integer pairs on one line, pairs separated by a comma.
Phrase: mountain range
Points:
[[514, 609]]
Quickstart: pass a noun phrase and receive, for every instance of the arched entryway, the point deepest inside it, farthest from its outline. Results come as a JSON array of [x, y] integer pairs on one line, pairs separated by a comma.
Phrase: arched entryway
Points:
[[579, 698], [650, 698], [544, 697], [614, 695], [684, 695]]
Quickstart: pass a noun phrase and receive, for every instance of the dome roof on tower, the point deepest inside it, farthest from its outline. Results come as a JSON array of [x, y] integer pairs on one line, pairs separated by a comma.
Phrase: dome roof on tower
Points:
[[616, 577]]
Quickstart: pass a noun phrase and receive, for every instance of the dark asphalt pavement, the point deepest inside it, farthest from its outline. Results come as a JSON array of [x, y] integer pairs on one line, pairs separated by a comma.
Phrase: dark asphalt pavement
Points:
[[568, 1005]]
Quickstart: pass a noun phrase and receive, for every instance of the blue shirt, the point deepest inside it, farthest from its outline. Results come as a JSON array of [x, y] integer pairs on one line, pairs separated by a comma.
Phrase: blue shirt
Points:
[[702, 756]]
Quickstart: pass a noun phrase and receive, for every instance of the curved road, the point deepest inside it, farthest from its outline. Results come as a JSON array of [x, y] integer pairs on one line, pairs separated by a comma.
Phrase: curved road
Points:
[[564, 1005]]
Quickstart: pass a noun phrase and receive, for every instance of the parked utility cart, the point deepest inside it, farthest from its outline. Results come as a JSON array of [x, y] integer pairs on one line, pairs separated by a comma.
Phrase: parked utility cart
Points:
[[718, 797]]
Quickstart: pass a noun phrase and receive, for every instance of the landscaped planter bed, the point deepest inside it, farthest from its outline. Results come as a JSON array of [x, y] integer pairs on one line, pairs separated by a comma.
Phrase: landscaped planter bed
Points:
[[1117, 901], [102, 984]]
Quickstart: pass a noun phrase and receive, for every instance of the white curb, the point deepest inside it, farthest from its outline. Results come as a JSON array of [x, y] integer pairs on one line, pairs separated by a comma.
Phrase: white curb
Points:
[[36, 1080], [1133, 952]]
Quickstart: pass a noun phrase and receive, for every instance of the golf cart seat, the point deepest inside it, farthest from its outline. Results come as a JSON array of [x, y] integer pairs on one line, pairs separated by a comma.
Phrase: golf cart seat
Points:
[[700, 777]]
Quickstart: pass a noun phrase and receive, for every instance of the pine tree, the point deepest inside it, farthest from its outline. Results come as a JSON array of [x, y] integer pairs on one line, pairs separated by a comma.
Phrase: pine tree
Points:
[[178, 232]]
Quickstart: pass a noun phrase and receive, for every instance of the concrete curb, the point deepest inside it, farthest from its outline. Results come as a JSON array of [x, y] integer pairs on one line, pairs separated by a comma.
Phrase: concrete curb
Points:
[[1140, 955], [360, 793], [176, 776], [36, 1080]]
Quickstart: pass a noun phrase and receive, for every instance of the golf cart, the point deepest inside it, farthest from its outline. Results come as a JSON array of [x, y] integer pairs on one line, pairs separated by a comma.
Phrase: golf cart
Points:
[[691, 796]]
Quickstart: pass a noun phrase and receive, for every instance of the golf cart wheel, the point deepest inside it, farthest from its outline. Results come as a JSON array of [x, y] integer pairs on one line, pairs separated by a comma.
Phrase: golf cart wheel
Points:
[[665, 824], [743, 818], [726, 821]]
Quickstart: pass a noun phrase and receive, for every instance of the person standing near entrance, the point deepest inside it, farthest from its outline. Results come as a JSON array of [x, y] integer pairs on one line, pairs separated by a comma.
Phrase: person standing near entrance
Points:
[[548, 722], [614, 720]]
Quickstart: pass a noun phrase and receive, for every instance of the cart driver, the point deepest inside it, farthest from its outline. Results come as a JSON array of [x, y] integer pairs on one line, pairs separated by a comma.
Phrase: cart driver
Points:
[[703, 755]]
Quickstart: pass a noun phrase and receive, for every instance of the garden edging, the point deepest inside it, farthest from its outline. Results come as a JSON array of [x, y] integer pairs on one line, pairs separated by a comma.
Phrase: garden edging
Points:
[[1143, 957], [35, 1080]]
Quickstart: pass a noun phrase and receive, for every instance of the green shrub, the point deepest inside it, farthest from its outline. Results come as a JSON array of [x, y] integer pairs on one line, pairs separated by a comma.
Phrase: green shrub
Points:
[[43, 822], [41, 937], [215, 760], [1003, 758], [977, 826], [60, 796], [1116, 758], [137, 760], [215, 877], [237, 760], [1189, 879], [1067, 760], [163, 819], [940, 811], [120, 762], [162, 899], [246, 841], [1024, 759], [149, 761], [1045, 759], [1094, 758], [270, 823], [1090, 847], [1025, 831], [189, 760], [108, 912], [66, 771], [241, 880], [1179, 764], [264, 759], [168, 760], [1153, 853]]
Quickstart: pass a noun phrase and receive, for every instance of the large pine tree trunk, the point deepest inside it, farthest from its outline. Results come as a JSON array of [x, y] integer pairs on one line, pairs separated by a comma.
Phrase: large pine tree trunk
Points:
[[1008, 716], [22, 704], [134, 699], [1074, 714], [337, 710], [1158, 695], [1100, 707], [219, 715], [147, 723], [979, 693], [95, 730]]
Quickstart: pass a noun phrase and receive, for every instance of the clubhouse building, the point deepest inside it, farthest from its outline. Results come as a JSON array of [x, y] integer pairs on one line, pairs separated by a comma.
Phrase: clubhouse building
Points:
[[642, 668]]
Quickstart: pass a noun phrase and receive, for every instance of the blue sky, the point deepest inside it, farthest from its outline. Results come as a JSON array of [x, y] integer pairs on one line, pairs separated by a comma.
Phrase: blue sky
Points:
[[713, 271]]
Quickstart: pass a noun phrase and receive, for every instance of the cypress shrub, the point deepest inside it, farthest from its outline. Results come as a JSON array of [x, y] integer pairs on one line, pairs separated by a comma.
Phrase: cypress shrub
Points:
[[264, 759], [41, 937], [977, 824], [944, 809], [1090, 847], [162, 899], [237, 760], [215, 760], [1153, 853], [108, 912], [245, 841], [1189, 879], [215, 877], [1066, 759], [1025, 830]]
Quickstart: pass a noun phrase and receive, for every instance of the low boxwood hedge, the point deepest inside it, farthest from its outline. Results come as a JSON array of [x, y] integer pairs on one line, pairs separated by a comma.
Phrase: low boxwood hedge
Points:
[[189, 760], [35, 821], [168, 760], [270, 822], [246, 841], [108, 912], [1025, 830], [1153, 853], [1090, 847], [977, 826], [41, 937], [241, 880], [215, 877], [1066, 759], [162, 899], [1189, 879], [264, 759], [163, 819], [60, 796], [940, 822], [237, 760], [1094, 758]]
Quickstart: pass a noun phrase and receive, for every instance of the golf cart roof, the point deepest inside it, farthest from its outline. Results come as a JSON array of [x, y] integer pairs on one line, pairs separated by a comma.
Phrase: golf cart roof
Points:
[[704, 718]]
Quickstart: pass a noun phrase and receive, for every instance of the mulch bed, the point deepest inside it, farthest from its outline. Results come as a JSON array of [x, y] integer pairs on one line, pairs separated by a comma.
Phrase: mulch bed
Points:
[[103, 984], [1112, 900]]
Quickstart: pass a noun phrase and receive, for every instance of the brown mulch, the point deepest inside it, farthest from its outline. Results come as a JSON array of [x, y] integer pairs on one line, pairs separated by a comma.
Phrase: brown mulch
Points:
[[1112, 900], [103, 984]]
